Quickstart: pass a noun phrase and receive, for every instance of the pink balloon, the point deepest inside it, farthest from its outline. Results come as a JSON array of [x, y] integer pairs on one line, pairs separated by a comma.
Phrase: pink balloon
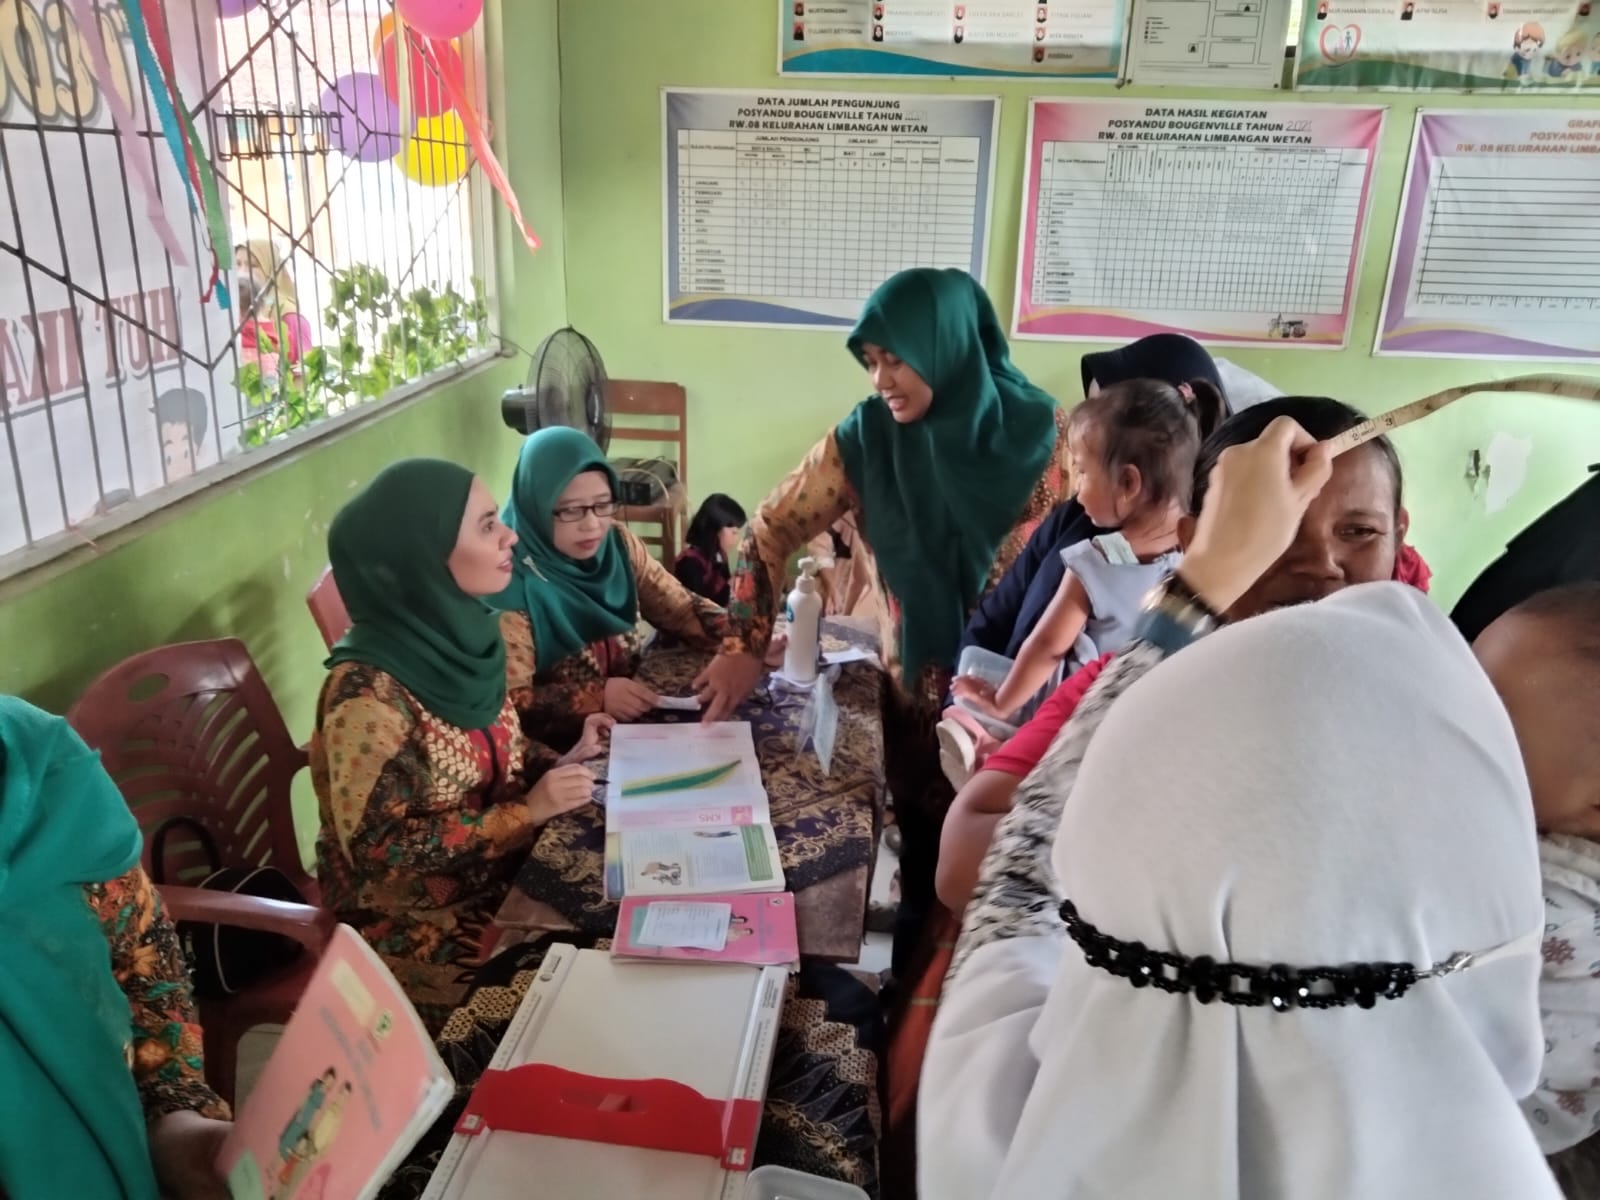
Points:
[[236, 8], [440, 18]]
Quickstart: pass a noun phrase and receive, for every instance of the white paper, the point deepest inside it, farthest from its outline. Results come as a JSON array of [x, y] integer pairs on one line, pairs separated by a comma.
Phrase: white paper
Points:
[[850, 654], [699, 861], [1506, 463], [1208, 43], [678, 703], [671, 924]]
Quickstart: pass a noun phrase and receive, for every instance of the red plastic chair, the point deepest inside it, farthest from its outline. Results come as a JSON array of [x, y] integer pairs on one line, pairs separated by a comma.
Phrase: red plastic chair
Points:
[[191, 730], [327, 608]]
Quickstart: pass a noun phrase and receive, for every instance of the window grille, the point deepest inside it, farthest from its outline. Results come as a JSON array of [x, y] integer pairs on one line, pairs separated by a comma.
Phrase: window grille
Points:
[[348, 276]]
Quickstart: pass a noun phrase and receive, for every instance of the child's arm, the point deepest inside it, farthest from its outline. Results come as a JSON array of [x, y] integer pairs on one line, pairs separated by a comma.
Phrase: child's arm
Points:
[[968, 829], [1047, 645]]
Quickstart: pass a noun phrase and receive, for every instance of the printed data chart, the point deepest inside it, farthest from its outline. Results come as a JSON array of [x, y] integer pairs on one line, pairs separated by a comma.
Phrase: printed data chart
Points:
[[1497, 251], [796, 224], [1201, 225], [1236, 229]]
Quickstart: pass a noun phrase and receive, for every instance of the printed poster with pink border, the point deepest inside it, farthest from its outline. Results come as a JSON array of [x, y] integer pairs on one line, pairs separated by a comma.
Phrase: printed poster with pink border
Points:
[[1239, 223], [1497, 254]]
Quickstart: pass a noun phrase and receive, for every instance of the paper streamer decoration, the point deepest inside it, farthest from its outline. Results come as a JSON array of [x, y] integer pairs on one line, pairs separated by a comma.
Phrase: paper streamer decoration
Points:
[[366, 123], [455, 84], [427, 92], [436, 154], [128, 130], [154, 55], [440, 18]]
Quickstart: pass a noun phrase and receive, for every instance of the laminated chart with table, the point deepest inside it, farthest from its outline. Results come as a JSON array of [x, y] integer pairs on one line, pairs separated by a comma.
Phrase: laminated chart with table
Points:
[[1498, 249], [789, 208], [1237, 224]]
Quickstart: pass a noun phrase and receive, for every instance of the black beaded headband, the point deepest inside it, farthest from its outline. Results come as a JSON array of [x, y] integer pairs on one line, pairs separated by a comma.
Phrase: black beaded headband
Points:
[[1279, 987]]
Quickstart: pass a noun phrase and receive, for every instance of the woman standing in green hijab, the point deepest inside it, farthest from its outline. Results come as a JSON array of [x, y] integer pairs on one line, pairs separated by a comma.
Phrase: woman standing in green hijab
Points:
[[947, 468], [429, 792], [580, 584]]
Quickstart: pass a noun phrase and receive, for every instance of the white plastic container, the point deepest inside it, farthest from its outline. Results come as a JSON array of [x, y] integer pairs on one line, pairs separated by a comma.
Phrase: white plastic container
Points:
[[780, 1183], [804, 614]]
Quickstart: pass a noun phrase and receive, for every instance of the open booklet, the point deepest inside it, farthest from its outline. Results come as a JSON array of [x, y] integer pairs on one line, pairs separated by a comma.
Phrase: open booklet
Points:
[[353, 1083], [686, 813]]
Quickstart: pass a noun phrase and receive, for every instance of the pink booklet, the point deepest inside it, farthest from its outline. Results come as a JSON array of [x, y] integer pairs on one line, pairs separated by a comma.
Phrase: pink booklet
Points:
[[353, 1083], [755, 929]]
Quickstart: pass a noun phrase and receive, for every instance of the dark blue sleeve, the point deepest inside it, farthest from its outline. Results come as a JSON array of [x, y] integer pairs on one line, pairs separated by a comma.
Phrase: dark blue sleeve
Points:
[[998, 615]]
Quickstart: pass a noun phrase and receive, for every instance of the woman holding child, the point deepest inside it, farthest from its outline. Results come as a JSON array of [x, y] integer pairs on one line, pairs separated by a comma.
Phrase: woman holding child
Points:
[[1312, 978], [947, 468]]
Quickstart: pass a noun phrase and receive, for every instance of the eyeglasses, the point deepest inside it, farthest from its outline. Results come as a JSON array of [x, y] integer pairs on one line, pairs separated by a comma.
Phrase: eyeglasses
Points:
[[574, 513]]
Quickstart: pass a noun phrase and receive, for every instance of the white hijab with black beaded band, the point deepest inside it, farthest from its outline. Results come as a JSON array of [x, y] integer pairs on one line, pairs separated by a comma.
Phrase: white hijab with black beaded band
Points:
[[1329, 784]]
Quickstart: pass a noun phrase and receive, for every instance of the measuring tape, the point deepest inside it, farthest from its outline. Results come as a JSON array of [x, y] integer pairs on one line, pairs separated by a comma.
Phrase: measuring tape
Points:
[[761, 1038], [1547, 385]]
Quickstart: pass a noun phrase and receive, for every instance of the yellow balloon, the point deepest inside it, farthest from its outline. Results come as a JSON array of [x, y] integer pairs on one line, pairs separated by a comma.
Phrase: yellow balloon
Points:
[[436, 154]]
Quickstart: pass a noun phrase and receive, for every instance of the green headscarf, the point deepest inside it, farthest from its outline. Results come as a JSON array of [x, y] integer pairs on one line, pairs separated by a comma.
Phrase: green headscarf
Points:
[[938, 495], [389, 548], [569, 603], [71, 1123]]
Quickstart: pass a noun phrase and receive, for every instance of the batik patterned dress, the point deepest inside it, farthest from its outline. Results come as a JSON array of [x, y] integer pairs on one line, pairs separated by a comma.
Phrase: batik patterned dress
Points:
[[164, 1041], [424, 824], [808, 501], [554, 698]]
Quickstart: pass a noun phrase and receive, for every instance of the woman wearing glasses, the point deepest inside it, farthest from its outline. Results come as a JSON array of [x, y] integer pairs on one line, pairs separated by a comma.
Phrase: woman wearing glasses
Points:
[[580, 585]]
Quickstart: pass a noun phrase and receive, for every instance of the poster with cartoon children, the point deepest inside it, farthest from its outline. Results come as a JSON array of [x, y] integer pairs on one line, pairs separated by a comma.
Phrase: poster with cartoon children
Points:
[[1463, 45]]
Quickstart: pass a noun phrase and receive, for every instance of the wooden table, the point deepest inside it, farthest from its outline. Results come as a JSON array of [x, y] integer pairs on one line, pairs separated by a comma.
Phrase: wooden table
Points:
[[827, 826]]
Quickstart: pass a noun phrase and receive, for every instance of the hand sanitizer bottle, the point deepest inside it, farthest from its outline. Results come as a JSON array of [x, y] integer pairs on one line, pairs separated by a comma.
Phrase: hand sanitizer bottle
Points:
[[804, 612]]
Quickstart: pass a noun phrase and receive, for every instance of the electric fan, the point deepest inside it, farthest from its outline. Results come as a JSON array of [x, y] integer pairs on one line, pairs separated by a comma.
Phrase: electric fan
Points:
[[566, 386]]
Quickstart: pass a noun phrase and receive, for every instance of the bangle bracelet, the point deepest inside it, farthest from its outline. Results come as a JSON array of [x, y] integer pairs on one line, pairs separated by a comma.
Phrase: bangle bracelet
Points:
[[1177, 587], [1174, 616]]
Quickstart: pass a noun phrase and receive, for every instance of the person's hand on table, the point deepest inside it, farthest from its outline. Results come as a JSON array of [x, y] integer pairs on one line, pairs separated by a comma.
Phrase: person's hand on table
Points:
[[775, 650], [561, 790], [596, 732], [1258, 494], [628, 699], [977, 694], [726, 681], [183, 1149]]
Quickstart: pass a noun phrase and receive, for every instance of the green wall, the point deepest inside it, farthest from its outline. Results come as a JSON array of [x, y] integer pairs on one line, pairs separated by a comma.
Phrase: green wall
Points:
[[237, 559], [759, 397]]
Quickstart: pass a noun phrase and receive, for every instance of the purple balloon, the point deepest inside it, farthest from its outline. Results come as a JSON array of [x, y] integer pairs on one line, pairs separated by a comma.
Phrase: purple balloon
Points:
[[236, 8], [366, 123]]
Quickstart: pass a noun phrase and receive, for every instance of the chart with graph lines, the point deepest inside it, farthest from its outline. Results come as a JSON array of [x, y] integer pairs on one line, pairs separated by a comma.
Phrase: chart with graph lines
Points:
[[1497, 250]]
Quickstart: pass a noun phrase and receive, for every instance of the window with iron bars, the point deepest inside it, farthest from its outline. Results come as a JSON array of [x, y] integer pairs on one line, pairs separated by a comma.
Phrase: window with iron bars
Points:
[[352, 268]]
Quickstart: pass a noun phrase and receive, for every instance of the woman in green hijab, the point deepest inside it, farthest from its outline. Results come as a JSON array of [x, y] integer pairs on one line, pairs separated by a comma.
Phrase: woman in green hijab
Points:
[[580, 584], [947, 468], [429, 792], [94, 981]]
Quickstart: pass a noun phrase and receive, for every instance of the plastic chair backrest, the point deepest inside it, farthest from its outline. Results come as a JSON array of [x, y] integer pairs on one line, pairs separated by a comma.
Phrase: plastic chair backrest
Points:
[[190, 730], [327, 608]]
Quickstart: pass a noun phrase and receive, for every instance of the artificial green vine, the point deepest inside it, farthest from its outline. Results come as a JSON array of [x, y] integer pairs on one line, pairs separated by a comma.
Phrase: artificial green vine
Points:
[[382, 338]]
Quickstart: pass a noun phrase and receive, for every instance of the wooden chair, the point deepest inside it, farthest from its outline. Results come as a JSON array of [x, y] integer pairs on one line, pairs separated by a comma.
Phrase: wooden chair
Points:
[[668, 403], [327, 608], [190, 730]]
